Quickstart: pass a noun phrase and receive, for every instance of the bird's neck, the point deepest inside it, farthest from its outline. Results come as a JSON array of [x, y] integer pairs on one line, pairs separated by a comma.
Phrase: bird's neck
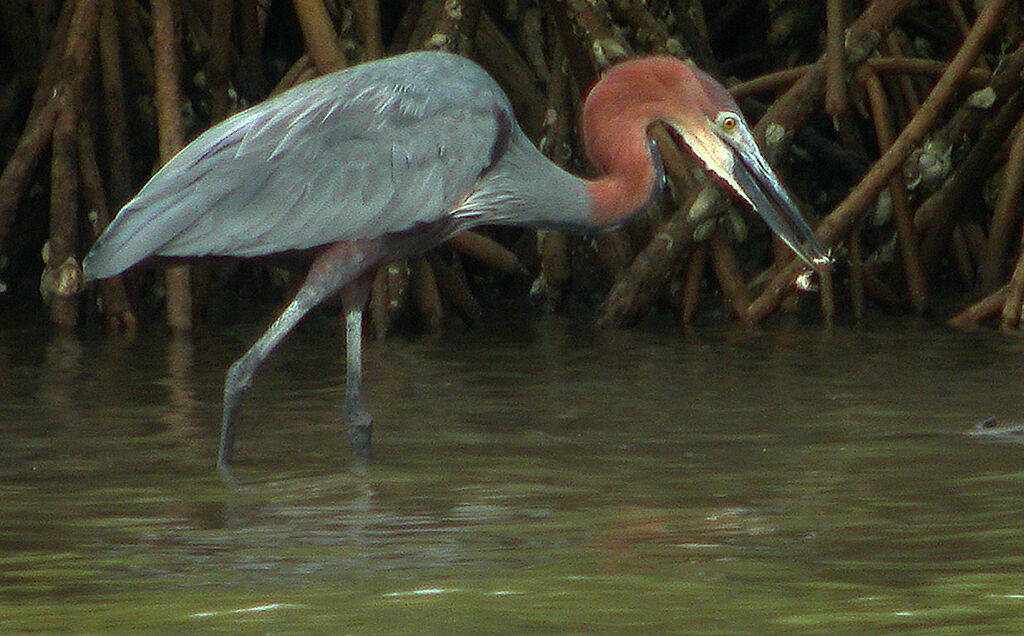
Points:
[[617, 143], [616, 197]]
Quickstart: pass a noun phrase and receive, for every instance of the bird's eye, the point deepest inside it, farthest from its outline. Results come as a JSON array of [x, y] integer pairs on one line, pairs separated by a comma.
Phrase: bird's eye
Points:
[[728, 122]]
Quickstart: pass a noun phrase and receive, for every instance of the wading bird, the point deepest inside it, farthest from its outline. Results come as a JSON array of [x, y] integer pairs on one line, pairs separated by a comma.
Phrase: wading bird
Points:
[[386, 159]]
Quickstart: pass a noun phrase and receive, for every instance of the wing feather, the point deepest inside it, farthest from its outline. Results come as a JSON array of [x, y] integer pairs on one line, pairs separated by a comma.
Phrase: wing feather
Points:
[[361, 153]]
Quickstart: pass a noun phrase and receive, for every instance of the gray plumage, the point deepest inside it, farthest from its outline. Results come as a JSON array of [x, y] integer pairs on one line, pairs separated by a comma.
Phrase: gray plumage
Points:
[[367, 152]]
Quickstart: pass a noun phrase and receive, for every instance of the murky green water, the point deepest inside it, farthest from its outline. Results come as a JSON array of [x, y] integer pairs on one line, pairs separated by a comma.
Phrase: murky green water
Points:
[[537, 478]]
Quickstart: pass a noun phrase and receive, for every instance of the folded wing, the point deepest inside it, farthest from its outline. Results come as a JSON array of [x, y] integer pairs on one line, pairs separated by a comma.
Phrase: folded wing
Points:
[[357, 154]]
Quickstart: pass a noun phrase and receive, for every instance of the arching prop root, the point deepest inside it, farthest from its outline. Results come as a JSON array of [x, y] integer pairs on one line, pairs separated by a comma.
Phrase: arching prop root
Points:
[[895, 154]]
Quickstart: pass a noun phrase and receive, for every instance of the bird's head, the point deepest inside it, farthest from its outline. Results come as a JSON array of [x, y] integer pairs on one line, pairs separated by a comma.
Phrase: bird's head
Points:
[[702, 115]]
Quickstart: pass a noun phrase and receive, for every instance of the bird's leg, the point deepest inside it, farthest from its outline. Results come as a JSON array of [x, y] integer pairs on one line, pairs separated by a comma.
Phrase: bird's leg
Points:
[[334, 268], [240, 374], [357, 417]]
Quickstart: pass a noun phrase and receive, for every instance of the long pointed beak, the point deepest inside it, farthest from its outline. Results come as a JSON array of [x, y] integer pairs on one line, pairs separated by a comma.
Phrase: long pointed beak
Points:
[[762, 190], [735, 159]]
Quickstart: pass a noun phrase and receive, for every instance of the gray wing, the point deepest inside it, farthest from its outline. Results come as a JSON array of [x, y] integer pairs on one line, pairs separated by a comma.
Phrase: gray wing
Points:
[[373, 150]]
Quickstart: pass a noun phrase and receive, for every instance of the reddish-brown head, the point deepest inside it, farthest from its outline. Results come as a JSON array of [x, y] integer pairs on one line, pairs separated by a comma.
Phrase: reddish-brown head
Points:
[[703, 116], [634, 94]]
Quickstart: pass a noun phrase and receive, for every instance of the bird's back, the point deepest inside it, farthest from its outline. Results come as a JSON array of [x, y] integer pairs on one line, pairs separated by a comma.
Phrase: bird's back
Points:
[[373, 150]]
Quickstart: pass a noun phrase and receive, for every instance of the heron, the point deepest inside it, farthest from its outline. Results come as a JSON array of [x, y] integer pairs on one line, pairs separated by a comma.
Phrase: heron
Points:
[[388, 158]]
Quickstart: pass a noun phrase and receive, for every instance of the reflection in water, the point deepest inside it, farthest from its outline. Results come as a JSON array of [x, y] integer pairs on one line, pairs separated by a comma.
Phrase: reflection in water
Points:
[[543, 479], [60, 374], [179, 412]]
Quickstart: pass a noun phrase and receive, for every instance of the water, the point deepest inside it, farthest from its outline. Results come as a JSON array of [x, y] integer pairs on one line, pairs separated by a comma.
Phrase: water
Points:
[[531, 477]]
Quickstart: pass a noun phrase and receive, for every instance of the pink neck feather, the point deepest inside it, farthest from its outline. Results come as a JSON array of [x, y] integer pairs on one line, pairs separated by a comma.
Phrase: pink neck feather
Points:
[[616, 116], [618, 147]]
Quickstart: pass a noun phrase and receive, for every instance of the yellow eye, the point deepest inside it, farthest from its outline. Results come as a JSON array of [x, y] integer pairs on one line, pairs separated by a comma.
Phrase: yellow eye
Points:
[[728, 122]]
